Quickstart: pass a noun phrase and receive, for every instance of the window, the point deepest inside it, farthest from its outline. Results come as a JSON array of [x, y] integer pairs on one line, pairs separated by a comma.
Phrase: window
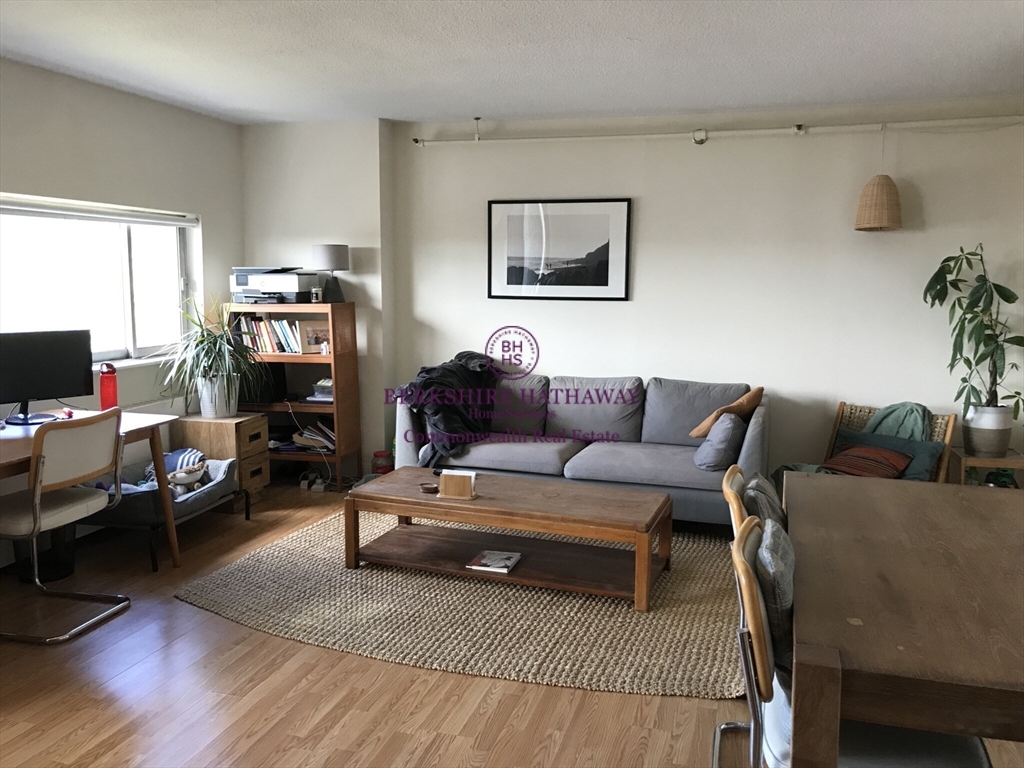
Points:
[[120, 274]]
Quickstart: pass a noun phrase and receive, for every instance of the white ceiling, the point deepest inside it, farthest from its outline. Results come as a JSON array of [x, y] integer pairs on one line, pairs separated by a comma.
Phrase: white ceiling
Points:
[[268, 60]]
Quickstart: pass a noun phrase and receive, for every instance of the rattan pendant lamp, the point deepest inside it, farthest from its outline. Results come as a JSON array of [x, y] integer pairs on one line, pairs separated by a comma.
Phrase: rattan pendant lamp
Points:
[[879, 206]]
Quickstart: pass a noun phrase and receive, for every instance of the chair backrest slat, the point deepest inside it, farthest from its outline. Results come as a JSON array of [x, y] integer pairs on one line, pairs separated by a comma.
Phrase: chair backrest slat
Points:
[[75, 450], [732, 489], [754, 614]]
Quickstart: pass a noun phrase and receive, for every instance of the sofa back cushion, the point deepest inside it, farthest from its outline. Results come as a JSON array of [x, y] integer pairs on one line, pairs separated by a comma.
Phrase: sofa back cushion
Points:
[[521, 405], [673, 408], [587, 408]]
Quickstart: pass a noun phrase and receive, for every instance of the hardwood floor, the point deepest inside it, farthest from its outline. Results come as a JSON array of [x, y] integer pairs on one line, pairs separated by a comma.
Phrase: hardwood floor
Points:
[[167, 684]]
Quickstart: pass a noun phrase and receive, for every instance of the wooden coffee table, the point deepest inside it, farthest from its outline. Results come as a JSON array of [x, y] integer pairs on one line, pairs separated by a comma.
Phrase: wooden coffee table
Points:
[[604, 513]]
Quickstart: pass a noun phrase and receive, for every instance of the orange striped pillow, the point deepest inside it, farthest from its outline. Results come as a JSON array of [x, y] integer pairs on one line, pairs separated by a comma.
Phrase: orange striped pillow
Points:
[[869, 461]]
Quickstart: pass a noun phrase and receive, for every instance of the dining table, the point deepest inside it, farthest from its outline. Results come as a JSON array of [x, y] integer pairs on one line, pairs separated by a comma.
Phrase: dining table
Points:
[[16, 457], [908, 609]]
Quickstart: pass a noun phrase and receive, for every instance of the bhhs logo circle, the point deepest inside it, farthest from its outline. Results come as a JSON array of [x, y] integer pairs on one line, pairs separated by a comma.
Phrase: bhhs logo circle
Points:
[[513, 351]]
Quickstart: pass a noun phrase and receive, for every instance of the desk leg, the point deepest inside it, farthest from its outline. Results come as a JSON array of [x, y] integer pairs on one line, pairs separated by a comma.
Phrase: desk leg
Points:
[[817, 687], [156, 448]]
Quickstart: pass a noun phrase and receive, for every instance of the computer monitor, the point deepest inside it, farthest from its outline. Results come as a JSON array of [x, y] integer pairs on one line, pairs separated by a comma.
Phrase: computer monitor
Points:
[[43, 365]]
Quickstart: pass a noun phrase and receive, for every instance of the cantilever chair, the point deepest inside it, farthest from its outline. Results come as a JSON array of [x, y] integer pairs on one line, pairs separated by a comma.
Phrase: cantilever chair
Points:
[[64, 454], [864, 745], [856, 417]]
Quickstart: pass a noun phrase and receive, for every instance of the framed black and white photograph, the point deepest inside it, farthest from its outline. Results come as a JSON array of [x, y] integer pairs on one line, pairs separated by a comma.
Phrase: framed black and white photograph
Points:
[[558, 249]]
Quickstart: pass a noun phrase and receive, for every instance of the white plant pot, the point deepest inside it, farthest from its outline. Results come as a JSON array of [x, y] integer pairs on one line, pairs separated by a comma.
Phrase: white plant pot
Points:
[[214, 402], [987, 431]]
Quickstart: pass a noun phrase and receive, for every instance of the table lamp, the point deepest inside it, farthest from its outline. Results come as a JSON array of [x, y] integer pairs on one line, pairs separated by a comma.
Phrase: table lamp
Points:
[[330, 258]]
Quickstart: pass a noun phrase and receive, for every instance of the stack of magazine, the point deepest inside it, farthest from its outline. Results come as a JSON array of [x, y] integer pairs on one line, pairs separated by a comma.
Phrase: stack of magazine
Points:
[[312, 438], [494, 561]]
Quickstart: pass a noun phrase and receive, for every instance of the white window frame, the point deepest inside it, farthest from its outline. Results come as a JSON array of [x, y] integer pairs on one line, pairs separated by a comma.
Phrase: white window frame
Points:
[[48, 207]]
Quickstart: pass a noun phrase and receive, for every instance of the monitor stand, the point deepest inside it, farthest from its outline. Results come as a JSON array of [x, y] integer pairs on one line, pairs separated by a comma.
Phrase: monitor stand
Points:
[[25, 419]]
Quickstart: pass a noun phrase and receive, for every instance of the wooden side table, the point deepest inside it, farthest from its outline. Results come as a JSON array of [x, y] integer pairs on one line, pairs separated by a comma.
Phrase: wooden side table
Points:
[[242, 437], [960, 462]]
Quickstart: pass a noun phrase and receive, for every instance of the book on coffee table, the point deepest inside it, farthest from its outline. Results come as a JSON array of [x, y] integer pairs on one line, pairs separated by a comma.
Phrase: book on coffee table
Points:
[[493, 561]]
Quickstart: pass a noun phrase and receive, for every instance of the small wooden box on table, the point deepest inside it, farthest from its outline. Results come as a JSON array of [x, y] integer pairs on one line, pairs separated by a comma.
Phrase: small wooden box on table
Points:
[[242, 437], [520, 504]]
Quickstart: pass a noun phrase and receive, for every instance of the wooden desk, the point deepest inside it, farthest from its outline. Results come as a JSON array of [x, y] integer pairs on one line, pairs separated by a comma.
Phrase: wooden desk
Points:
[[908, 609], [16, 452]]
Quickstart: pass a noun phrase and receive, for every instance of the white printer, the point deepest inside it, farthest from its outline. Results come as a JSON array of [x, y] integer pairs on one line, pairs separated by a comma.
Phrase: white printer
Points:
[[272, 285]]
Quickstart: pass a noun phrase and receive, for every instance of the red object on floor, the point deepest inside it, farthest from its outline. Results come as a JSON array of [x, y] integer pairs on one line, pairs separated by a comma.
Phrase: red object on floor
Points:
[[108, 386]]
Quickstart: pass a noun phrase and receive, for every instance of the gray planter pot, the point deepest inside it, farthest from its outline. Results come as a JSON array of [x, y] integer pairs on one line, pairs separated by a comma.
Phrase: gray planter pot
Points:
[[987, 431]]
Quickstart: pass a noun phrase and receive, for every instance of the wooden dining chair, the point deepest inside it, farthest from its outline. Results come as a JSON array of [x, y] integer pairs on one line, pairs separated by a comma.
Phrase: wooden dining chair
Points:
[[64, 455], [732, 489], [856, 417], [864, 745]]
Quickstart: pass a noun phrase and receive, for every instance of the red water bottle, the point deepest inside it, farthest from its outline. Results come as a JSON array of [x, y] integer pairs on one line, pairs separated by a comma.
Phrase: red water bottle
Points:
[[108, 386]]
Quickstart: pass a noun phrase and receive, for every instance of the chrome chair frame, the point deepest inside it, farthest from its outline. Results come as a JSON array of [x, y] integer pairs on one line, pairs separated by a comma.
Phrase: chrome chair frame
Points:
[[118, 603]]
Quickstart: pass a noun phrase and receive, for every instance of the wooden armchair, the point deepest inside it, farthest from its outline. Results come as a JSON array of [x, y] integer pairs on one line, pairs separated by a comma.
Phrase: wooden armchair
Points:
[[856, 417]]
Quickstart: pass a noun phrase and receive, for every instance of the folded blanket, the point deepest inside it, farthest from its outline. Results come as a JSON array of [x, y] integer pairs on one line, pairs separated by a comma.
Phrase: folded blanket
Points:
[[911, 421]]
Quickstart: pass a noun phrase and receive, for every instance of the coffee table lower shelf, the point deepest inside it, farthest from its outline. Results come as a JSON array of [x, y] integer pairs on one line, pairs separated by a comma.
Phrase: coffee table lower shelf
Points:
[[561, 565]]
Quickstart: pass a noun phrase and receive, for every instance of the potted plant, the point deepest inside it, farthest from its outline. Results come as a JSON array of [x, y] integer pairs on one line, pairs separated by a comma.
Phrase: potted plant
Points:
[[981, 336], [213, 361]]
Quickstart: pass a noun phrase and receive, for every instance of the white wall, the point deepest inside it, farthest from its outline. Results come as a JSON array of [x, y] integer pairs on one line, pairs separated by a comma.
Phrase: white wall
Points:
[[64, 137], [309, 183], [745, 263]]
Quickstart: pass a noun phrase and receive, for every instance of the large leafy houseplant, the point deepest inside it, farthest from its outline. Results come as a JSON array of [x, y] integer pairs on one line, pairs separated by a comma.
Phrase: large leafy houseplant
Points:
[[980, 332], [211, 353]]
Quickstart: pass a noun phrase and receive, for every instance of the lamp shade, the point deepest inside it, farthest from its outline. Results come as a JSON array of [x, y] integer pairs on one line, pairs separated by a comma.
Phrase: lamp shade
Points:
[[329, 258], [879, 206]]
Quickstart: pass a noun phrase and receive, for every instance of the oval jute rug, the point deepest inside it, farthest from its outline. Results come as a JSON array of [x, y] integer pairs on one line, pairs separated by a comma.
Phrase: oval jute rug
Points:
[[298, 588]]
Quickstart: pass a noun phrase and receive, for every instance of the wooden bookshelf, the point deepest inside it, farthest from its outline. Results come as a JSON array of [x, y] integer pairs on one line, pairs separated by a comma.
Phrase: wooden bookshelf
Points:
[[343, 366]]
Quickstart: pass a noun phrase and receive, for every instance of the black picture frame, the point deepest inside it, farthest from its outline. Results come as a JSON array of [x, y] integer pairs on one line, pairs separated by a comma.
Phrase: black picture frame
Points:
[[621, 267]]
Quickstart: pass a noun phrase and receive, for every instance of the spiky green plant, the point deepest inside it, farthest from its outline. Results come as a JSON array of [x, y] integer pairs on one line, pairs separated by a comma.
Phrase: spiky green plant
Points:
[[210, 348], [980, 331]]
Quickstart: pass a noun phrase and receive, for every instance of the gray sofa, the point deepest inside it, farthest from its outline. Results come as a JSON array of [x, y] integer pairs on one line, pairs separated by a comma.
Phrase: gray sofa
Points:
[[548, 437]]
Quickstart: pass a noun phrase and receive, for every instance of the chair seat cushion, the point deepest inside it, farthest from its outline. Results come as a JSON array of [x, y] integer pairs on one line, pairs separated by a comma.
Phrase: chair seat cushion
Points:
[[926, 455], [643, 463], [58, 508], [538, 457]]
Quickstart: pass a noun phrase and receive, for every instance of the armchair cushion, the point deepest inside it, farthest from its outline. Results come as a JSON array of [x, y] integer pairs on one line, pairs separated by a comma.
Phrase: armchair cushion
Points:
[[869, 461], [925, 455]]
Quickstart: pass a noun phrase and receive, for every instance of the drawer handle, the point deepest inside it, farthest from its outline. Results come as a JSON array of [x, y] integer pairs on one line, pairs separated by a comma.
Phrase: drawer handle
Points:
[[256, 472], [255, 436]]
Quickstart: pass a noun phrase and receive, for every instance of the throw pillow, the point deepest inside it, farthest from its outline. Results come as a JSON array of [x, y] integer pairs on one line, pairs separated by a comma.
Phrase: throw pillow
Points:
[[926, 454], [743, 408], [722, 447], [761, 500], [868, 461], [774, 567]]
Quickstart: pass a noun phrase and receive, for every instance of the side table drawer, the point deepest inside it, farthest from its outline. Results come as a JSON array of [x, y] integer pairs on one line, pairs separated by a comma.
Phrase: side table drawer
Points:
[[254, 472], [252, 437]]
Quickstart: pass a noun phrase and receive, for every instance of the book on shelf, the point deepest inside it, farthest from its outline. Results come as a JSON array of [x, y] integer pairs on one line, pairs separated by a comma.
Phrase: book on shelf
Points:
[[494, 561], [311, 437], [270, 335]]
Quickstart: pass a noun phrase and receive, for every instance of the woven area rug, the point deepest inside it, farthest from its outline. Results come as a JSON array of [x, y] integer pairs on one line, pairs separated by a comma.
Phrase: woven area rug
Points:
[[299, 588]]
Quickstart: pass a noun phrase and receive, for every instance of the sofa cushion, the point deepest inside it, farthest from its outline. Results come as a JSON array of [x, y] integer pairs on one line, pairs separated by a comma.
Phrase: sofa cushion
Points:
[[596, 406], [521, 405], [538, 457], [722, 446], [672, 408], [743, 407], [644, 463]]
